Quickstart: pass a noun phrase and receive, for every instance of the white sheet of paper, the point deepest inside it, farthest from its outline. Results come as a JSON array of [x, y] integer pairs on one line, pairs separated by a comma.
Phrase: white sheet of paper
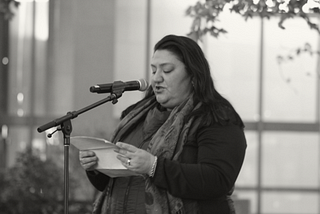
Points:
[[107, 157]]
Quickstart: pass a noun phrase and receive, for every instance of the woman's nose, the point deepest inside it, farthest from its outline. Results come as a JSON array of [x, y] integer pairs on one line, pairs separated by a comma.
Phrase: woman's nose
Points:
[[157, 76]]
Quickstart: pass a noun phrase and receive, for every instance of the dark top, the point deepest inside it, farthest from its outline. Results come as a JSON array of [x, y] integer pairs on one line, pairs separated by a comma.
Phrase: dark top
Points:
[[206, 172]]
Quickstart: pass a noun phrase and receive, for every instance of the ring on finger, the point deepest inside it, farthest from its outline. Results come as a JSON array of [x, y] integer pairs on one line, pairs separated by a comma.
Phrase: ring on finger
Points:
[[129, 161]]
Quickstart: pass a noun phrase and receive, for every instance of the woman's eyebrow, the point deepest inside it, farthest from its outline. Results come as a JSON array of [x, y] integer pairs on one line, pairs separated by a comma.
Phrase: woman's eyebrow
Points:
[[162, 64]]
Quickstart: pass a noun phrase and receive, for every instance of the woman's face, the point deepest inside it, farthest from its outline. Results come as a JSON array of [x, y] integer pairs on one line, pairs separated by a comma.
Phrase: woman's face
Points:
[[170, 81]]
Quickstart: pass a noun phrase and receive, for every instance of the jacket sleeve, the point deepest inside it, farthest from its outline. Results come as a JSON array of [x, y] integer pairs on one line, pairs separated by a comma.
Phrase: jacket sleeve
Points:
[[208, 167], [98, 179]]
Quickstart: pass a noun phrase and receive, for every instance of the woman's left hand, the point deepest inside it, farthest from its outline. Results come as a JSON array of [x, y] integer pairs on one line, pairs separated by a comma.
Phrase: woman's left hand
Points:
[[135, 159]]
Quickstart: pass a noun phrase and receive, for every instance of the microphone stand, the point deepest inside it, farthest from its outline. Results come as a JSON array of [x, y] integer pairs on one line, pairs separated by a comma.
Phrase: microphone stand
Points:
[[66, 128]]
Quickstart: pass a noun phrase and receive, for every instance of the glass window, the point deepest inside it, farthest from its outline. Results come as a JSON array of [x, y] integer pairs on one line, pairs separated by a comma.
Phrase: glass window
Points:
[[290, 202], [248, 174], [290, 85], [234, 60], [168, 17], [290, 159], [245, 201]]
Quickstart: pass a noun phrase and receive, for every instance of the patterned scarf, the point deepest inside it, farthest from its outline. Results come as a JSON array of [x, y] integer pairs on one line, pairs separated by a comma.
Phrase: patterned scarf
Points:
[[167, 142]]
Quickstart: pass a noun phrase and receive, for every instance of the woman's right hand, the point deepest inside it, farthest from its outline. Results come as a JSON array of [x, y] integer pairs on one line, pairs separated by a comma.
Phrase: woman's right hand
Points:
[[88, 159]]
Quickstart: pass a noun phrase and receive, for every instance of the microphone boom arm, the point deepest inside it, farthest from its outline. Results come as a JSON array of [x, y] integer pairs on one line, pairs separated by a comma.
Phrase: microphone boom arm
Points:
[[66, 128], [117, 91]]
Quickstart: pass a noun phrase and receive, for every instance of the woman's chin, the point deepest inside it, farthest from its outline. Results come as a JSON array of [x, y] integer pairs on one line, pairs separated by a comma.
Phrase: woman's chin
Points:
[[161, 99]]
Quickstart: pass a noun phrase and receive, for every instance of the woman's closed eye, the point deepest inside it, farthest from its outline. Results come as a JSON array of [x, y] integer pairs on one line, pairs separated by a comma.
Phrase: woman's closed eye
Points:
[[167, 71], [164, 71]]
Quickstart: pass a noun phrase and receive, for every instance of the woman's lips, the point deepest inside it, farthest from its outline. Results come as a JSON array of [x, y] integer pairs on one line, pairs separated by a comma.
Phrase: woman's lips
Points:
[[158, 89]]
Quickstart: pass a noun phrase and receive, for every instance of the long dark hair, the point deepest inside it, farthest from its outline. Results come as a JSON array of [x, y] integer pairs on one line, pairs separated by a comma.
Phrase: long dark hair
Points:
[[214, 108]]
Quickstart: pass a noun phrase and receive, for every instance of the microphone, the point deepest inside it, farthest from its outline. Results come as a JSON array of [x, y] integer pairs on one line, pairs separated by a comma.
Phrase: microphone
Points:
[[140, 85]]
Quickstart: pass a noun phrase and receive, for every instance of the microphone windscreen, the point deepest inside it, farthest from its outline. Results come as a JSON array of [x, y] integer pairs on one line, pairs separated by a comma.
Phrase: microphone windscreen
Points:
[[143, 84]]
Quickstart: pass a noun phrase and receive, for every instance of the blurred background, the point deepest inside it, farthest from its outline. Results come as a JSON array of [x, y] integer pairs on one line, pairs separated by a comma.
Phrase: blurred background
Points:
[[52, 51]]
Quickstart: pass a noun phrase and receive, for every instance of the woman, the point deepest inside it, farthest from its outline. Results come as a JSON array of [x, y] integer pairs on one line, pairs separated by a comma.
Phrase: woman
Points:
[[184, 139]]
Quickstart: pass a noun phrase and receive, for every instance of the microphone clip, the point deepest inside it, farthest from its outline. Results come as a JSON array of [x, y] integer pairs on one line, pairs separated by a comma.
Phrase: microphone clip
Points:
[[117, 90], [52, 133]]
